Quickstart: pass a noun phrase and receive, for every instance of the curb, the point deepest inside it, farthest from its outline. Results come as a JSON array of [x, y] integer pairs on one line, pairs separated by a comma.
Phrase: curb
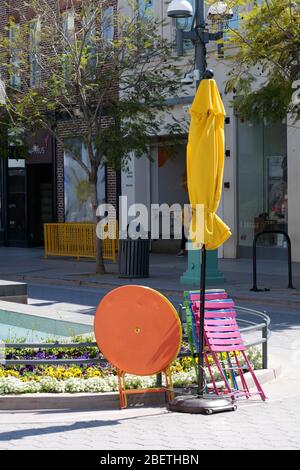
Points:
[[99, 401], [78, 401], [291, 303]]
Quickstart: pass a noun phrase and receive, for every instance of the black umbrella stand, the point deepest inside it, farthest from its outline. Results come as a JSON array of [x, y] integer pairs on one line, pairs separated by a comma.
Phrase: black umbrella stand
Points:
[[199, 404]]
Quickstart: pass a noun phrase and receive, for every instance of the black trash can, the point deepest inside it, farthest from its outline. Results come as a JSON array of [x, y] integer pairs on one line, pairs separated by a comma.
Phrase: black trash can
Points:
[[134, 258]]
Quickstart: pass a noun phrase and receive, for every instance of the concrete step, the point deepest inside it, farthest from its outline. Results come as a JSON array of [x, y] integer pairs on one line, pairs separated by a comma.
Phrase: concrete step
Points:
[[13, 291]]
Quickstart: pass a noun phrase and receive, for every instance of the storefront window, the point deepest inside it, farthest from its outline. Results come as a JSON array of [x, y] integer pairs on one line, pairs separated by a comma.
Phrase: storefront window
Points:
[[262, 182], [78, 204]]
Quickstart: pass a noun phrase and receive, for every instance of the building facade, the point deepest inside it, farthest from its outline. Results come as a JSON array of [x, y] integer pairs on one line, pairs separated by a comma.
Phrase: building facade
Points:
[[28, 198], [46, 184], [261, 177], [261, 186]]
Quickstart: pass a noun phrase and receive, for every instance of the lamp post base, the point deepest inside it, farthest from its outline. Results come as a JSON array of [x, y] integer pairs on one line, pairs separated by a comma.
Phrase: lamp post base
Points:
[[192, 275], [195, 405]]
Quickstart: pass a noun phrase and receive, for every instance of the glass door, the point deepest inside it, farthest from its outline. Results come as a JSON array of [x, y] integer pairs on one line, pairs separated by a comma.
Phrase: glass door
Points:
[[262, 184], [16, 202]]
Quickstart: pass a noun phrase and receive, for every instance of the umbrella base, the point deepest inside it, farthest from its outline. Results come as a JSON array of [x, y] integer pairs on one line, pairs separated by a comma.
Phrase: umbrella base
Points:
[[205, 406]]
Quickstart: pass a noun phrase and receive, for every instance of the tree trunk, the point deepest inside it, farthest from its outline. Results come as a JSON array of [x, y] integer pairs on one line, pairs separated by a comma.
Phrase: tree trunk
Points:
[[100, 268]]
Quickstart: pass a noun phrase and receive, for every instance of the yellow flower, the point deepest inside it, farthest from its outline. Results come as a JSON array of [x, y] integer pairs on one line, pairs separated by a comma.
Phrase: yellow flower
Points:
[[75, 371], [67, 375], [49, 371], [12, 373], [97, 373], [92, 372]]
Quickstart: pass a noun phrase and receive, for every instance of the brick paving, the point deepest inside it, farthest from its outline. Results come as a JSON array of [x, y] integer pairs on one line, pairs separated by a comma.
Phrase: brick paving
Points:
[[255, 425]]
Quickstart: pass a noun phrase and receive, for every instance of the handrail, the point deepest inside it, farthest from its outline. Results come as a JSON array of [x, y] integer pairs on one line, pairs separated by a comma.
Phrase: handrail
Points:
[[289, 246], [264, 327], [256, 343], [253, 328], [252, 325], [256, 313], [47, 345], [30, 362]]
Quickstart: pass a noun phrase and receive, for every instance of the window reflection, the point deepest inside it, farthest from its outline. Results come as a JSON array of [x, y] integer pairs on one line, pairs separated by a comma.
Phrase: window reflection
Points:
[[262, 181]]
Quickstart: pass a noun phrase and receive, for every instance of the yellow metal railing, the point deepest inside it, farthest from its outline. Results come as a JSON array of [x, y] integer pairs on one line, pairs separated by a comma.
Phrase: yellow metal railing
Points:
[[78, 240]]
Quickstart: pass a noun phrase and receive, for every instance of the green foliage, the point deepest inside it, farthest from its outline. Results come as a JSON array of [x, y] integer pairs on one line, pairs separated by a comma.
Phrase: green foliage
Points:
[[271, 101], [116, 86], [264, 55], [107, 76], [91, 377]]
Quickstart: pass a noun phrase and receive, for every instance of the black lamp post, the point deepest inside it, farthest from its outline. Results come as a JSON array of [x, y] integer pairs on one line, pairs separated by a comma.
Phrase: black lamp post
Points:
[[200, 37], [198, 34]]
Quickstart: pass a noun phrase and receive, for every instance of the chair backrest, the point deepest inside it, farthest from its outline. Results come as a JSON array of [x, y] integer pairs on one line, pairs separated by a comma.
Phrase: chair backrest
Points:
[[216, 314], [194, 295], [214, 304], [222, 333]]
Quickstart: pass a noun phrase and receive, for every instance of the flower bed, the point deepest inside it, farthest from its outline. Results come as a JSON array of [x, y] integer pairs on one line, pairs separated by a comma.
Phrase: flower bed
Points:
[[92, 377]]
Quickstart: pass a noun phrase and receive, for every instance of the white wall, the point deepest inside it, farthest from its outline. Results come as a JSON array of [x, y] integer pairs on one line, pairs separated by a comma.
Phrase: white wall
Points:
[[136, 182], [227, 208], [293, 151], [139, 189]]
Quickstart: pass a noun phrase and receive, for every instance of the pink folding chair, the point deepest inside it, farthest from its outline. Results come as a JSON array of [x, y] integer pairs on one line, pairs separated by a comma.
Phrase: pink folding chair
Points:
[[223, 338]]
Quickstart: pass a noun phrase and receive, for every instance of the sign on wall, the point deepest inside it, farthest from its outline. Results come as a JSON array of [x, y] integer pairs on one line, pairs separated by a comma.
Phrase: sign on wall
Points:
[[39, 147]]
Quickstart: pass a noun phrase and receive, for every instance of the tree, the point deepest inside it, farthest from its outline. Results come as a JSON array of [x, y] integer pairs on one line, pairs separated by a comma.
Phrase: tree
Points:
[[108, 73], [264, 55]]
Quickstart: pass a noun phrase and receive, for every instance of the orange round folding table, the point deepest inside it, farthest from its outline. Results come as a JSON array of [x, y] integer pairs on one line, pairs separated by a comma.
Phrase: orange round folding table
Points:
[[138, 331]]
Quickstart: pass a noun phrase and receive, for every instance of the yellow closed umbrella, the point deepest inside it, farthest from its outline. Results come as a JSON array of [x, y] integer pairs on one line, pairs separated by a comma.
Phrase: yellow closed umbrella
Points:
[[205, 165]]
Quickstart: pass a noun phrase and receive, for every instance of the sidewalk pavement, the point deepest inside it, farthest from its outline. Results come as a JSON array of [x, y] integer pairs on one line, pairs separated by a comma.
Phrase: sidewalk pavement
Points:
[[273, 425], [256, 425], [29, 264]]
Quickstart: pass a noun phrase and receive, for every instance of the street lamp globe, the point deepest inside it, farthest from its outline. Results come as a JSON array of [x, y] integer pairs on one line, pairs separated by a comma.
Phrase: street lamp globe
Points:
[[219, 11], [180, 9]]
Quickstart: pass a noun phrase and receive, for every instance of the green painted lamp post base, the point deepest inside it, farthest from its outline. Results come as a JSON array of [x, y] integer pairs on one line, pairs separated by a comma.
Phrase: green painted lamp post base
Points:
[[193, 272]]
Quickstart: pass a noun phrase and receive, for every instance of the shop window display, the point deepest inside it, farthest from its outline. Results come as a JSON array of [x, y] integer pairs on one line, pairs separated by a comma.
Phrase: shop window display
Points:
[[262, 182]]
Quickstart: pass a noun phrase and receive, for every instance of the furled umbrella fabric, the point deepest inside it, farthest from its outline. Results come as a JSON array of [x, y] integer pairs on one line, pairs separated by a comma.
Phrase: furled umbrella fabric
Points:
[[205, 164]]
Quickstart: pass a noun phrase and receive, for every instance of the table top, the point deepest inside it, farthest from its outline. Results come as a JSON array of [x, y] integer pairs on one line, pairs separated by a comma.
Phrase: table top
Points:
[[138, 330]]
